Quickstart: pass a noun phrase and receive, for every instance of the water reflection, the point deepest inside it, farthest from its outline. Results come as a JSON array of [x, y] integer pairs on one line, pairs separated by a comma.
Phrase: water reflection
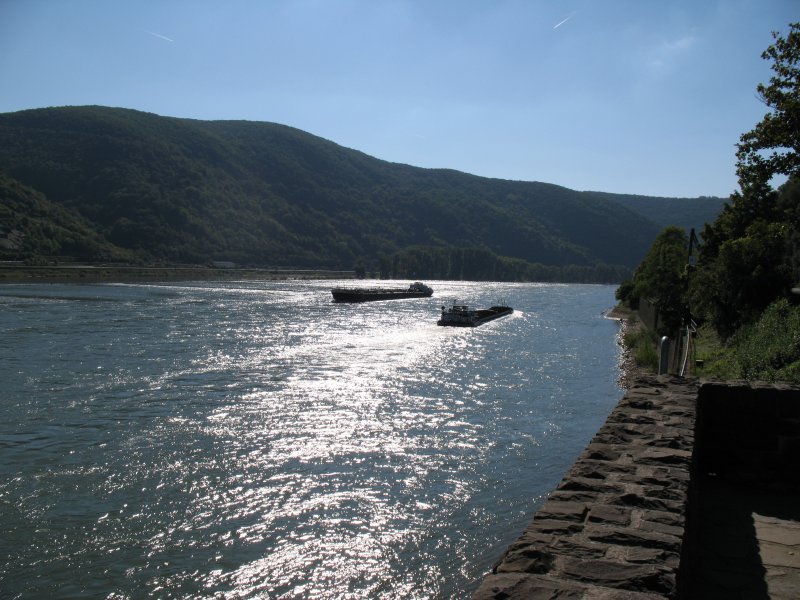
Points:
[[257, 440]]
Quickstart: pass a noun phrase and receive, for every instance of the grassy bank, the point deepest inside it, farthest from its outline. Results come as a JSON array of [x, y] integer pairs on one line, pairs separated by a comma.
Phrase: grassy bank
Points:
[[767, 350], [643, 344], [632, 334]]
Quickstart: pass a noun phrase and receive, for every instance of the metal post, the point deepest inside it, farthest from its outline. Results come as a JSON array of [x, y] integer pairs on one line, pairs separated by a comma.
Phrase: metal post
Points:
[[663, 356]]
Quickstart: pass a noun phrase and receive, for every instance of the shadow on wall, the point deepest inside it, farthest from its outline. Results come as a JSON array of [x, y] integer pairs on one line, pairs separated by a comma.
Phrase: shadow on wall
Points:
[[746, 520]]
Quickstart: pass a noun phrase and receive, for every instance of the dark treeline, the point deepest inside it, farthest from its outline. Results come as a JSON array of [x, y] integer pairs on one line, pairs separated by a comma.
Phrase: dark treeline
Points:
[[479, 264]]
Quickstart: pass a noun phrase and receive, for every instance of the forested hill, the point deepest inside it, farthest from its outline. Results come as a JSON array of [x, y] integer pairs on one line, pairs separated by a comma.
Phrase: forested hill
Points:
[[687, 213], [122, 184]]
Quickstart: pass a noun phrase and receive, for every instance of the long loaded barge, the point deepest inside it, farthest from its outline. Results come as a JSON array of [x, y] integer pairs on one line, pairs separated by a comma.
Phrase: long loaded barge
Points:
[[460, 315], [415, 290]]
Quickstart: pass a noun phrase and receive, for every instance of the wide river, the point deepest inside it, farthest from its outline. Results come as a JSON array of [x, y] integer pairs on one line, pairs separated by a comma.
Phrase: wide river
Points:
[[256, 440]]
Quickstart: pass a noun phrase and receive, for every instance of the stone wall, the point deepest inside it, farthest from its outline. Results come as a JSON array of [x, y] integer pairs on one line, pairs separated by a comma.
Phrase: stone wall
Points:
[[648, 313], [614, 527], [623, 523]]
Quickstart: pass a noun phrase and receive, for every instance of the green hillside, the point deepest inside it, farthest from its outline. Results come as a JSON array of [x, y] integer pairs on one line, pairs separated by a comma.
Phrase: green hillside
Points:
[[262, 194], [686, 213], [31, 225]]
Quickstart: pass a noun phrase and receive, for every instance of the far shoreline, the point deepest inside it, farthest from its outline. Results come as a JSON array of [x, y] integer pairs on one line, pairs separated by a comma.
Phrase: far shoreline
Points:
[[135, 274], [104, 273]]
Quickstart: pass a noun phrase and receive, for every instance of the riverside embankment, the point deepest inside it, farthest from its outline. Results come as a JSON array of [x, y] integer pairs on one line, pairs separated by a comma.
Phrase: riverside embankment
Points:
[[689, 490]]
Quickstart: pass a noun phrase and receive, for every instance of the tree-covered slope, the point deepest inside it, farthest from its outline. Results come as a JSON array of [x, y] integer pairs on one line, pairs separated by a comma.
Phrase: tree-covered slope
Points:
[[686, 213], [32, 225], [265, 194]]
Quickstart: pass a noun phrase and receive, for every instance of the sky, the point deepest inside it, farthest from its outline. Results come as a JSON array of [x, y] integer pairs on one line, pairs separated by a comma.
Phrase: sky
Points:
[[624, 96]]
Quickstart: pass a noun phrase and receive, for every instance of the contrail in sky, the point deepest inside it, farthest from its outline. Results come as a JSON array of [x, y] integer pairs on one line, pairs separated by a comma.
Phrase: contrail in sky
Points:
[[163, 37], [560, 23]]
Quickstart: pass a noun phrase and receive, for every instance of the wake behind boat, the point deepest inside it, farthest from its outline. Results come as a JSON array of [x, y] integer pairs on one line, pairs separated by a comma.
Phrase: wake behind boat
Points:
[[460, 315], [415, 290]]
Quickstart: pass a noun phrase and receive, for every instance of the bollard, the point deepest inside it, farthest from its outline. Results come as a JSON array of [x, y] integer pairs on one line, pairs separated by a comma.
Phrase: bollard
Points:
[[663, 356]]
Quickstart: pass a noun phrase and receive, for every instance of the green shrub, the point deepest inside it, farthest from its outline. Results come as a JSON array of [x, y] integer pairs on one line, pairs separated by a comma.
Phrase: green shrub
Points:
[[646, 356], [769, 349], [715, 357], [642, 344]]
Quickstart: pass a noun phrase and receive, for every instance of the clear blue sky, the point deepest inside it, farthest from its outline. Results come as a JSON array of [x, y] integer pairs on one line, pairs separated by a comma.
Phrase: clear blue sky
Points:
[[626, 96]]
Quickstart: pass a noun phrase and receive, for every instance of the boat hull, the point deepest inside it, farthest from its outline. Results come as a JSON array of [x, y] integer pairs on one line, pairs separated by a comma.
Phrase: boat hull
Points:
[[473, 318], [342, 295]]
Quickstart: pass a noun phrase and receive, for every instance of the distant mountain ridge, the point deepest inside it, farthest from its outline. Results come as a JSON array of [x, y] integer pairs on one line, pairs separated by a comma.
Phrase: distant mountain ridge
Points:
[[687, 213], [256, 193]]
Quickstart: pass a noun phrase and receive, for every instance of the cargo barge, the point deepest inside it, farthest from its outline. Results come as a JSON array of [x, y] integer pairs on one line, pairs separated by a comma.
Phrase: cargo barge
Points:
[[460, 315], [415, 290]]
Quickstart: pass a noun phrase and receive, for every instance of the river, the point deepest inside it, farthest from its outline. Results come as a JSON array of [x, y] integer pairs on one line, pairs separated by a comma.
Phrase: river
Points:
[[256, 440]]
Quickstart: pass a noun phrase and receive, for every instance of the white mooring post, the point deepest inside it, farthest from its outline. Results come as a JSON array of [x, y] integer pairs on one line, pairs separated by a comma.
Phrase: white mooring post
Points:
[[663, 356]]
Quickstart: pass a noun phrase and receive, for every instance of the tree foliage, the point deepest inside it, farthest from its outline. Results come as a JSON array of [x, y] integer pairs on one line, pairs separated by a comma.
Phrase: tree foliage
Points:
[[773, 146], [749, 257], [30, 227], [661, 278]]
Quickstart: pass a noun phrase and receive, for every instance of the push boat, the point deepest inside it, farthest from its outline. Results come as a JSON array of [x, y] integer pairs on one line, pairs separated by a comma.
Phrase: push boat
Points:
[[415, 290], [460, 315]]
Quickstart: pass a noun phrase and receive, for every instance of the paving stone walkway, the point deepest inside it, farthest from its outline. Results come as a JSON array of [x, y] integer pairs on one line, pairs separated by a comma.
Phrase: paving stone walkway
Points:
[[749, 543]]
